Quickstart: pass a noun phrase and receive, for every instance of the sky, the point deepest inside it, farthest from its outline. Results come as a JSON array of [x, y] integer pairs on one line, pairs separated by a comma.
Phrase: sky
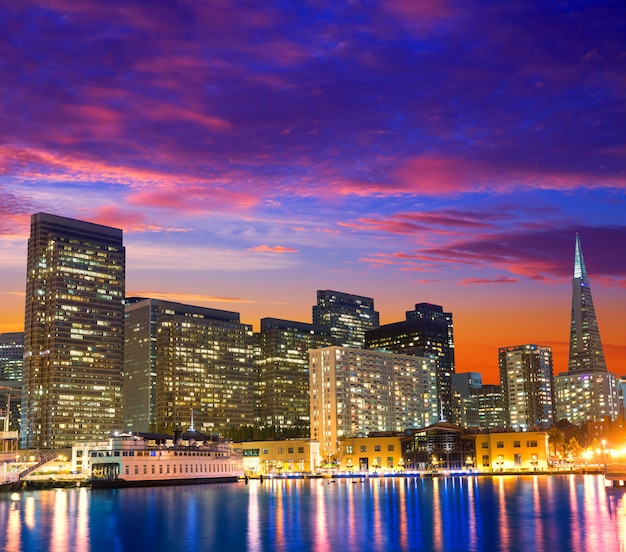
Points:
[[255, 152]]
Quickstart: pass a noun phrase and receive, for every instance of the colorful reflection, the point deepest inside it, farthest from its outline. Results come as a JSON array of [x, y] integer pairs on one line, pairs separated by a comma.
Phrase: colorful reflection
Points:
[[535, 512]]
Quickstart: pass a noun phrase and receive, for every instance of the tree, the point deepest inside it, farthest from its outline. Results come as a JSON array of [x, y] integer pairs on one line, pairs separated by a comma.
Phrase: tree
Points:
[[573, 447], [556, 439]]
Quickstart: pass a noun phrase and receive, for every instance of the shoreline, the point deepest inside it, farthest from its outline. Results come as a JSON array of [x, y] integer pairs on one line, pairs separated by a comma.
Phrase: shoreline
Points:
[[53, 483]]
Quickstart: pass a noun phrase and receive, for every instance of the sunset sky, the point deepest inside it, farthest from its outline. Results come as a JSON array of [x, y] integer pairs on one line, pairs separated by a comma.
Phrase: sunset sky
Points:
[[255, 152]]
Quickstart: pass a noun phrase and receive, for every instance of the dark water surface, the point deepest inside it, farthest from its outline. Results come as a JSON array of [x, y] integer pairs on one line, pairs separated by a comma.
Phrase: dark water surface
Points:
[[527, 513]]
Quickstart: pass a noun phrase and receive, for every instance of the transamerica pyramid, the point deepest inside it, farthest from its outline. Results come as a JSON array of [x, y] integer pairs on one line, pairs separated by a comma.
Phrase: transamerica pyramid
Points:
[[585, 346]]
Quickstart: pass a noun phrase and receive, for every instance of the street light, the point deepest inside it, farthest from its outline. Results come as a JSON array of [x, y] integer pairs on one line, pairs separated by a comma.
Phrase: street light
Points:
[[604, 453]]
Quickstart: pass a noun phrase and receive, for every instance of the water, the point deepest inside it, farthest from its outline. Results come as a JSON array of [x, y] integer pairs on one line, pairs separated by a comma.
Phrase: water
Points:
[[526, 513]]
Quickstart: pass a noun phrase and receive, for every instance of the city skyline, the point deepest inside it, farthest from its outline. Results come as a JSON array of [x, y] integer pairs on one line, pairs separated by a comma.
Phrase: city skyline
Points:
[[410, 152]]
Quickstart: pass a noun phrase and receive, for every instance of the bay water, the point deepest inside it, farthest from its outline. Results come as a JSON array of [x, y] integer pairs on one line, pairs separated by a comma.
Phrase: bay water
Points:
[[465, 513]]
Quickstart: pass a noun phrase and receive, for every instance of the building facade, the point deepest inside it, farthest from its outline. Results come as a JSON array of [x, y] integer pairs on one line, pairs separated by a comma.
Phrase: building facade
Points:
[[447, 447], [377, 453], [491, 410], [355, 392], [587, 391], [526, 451], [187, 365], [465, 404], [439, 447], [283, 368], [11, 356], [586, 397], [281, 458], [73, 339], [427, 331], [347, 316], [527, 385]]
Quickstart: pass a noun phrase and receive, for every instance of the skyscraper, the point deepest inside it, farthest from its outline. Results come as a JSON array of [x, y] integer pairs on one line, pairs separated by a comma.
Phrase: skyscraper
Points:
[[348, 316], [11, 356], [491, 411], [588, 391], [355, 392], [73, 339], [427, 331], [585, 346], [465, 405], [283, 361], [526, 380], [183, 361]]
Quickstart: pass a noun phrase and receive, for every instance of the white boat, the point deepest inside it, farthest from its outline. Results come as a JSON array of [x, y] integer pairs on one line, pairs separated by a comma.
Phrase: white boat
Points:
[[129, 460]]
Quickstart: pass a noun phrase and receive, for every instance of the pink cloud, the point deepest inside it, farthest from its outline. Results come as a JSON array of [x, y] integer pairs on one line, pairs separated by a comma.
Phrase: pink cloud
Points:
[[129, 221], [440, 222], [444, 176], [497, 280], [194, 198], [273, 249], [156, 111]]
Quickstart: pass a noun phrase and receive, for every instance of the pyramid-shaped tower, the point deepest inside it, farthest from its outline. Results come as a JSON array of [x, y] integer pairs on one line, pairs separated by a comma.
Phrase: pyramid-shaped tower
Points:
[[585, 348]]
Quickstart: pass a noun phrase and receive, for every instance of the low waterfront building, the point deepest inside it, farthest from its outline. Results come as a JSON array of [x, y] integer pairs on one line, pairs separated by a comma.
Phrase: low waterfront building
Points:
[[447, 447], [441, 446], [379, 452], [293, 456], [511, 451]]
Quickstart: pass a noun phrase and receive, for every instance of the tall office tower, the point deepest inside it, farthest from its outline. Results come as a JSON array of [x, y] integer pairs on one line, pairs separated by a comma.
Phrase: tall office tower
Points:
[[491, 411], [11, 356], [526, 380], [585, 347], [183, 361], [587, 392], [427, 330], [355, 392], [348, 316], [283, 365], [465, 404], [73, 339]]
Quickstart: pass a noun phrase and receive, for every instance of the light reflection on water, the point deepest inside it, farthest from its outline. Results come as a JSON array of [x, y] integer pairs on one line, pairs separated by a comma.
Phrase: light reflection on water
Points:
[[507, 513]]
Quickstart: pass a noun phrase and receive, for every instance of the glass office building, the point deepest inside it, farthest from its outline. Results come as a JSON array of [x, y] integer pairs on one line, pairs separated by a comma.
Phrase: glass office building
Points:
[[73, 338]]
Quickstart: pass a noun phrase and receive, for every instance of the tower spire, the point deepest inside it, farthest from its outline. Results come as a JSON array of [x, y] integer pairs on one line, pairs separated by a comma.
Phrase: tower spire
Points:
[[585, 348], [580, 270]]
